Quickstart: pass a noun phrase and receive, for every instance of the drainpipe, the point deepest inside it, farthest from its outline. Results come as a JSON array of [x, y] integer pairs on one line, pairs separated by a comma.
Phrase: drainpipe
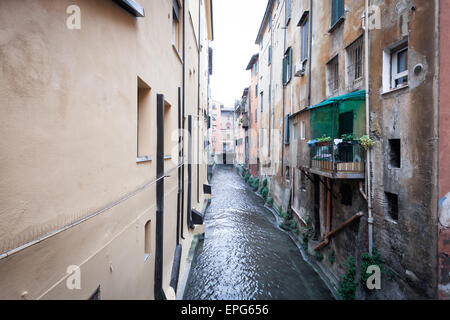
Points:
[[310, 49], [198, 100], [368, 164], [284, 99], [182, 119]]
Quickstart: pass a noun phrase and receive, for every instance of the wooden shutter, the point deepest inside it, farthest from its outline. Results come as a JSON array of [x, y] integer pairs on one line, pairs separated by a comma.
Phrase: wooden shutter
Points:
[[176, 9], [287, 130]]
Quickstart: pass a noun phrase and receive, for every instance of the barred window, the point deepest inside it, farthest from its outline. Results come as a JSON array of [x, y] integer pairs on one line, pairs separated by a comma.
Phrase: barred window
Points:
[[355, 70]]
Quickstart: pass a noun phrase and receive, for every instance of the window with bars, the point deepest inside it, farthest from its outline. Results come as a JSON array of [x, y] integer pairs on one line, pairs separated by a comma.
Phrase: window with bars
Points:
[[355, 70], [333, 74]]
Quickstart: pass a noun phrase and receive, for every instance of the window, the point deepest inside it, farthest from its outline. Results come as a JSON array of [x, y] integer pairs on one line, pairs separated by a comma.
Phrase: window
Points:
[[302, 130], [96, 294], [294, 132], [287, 130], [395, 153], [210, 60], [256, 91], [304, 40], [333, 75], [337, 11], [392, 205], [395, 67], [287, 174], [287, 66], [144, 117], [262, 101], [269, 57], [355, 62], [288, 11], [167, 131], [346, 194], [147, 240], [132, 7], [176, 33], [399, 67], [302, 181]]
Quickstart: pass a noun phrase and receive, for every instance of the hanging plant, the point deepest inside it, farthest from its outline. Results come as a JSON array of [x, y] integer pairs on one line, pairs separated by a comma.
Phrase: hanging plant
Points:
[[366, 142]]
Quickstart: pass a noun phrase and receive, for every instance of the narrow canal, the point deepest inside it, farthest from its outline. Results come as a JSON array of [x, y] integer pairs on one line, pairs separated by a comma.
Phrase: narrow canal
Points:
[[244, 255]]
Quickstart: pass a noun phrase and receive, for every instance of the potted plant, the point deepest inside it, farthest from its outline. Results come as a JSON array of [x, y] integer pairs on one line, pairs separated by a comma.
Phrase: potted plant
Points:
[[366, 142], [323, 141]]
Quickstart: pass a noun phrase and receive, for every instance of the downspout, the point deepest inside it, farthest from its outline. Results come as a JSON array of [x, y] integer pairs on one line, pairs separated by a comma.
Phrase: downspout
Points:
[[310, 49], [198, 100], [368, 164], [271, 123], [284, 99], [182, 120]]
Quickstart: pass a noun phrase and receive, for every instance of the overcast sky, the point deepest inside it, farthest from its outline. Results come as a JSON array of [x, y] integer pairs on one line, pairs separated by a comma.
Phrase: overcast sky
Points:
[[236, 25]]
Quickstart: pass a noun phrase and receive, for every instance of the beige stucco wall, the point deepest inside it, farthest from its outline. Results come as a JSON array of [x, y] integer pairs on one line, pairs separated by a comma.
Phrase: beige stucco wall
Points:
[[68, 120]]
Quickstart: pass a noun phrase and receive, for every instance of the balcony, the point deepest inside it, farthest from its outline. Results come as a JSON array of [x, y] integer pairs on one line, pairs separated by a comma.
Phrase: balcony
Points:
[[338, 159]]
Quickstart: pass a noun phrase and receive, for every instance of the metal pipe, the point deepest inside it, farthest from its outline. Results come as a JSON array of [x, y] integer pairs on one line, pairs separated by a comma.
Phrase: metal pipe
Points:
[[159, 251], [182, 119], [368, 164], [310, 49], [284, 98], [335, 231], [327, 229]]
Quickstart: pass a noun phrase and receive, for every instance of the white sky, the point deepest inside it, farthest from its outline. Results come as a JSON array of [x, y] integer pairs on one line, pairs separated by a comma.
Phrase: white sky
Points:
[[236, 25]]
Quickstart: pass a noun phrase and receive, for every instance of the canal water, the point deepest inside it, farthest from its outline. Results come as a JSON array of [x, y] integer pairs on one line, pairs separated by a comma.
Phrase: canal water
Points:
[[245, 255]]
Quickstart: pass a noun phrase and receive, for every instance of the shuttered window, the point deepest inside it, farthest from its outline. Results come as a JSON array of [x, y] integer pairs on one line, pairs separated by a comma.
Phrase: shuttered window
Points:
[[305, 38], [287, 130], [288, 11], [337, 10], [287, 66], [269, 58]]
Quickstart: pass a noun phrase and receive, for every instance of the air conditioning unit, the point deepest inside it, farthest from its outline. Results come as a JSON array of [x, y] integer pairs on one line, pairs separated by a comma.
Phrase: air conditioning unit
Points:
[[299, 69]]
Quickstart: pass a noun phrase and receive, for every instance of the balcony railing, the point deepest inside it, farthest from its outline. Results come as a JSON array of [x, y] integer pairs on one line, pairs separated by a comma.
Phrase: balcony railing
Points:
[[338, 160]]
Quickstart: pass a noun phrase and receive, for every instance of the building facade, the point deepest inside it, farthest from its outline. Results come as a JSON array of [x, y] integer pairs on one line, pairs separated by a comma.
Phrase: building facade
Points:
[[101, 182], [254, 161], [349, 106]]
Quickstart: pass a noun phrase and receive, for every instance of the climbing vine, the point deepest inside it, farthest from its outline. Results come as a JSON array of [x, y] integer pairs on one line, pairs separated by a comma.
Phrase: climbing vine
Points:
[[347, 284]]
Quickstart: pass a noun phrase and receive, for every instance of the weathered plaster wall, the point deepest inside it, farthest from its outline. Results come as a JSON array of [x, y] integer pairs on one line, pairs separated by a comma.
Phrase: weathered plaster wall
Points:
[[408, 245], [68, 119], [444, 155]]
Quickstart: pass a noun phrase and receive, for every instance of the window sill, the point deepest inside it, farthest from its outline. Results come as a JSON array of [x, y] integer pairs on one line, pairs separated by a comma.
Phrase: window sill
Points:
[[143, 159], [177, 53], [167, 157], [395, 90], [336, 24]]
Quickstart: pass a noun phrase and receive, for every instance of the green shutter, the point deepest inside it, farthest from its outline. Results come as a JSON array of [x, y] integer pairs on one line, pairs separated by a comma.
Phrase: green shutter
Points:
[[287, 130], [289, 64], [284, 70]]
